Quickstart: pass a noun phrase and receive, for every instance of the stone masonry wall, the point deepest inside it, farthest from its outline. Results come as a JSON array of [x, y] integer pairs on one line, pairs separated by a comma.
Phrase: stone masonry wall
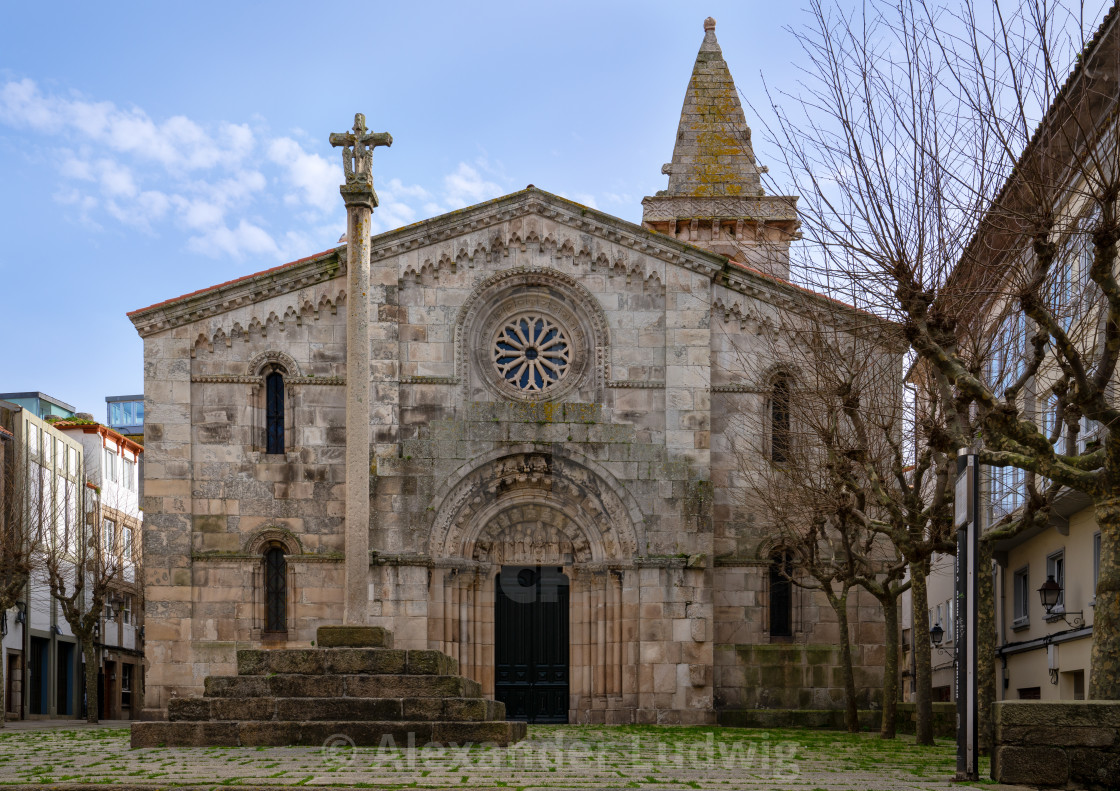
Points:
[[1067, 744]]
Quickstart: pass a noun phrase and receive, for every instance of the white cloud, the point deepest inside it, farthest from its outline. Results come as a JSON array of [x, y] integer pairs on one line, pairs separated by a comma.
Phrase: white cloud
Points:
[[246, 238], [586, 198], [315, 179], [116, 179], [208, 180], [465, 186]]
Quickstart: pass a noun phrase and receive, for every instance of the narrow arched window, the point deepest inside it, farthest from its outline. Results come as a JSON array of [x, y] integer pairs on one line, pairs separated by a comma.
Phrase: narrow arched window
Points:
[[274, 411], [275, 590], [779, 420], [781, 595]]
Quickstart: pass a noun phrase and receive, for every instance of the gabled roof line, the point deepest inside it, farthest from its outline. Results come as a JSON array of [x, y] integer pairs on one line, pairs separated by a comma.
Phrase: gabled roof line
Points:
[[235, 281], [329, 264]]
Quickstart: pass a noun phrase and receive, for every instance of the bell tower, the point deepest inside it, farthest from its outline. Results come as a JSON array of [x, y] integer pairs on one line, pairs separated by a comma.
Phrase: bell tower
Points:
[[715, 198]]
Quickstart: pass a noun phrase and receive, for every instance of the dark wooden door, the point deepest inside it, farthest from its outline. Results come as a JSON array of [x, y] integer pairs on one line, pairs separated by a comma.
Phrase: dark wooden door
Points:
[[531, 643]]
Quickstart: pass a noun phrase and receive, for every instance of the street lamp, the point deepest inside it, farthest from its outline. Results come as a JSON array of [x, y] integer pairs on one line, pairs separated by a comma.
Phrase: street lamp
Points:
[[1050, 593], [936, 634]]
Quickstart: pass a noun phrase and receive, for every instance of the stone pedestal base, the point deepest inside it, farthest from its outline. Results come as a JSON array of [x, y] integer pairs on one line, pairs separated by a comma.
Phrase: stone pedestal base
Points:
[[354, 688]]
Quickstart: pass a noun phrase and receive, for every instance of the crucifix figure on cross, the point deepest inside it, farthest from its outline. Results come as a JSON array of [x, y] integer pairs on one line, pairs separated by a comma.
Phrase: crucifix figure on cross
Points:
[[357, 151]]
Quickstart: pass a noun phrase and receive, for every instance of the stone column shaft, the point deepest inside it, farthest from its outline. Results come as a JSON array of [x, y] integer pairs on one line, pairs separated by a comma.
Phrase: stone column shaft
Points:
[[357, 413]]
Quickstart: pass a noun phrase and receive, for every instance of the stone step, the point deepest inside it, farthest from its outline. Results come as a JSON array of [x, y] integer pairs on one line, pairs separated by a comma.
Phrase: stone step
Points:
[[290, 685], [353, 637], [326, 661], [336, 709], [316, 734]]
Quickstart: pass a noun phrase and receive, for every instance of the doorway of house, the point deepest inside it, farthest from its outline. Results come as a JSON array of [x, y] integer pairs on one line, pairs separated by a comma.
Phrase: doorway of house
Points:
[[531, 643]]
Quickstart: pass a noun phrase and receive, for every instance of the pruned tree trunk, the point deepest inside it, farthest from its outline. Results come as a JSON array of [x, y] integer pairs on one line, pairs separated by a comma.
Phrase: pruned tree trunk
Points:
[[3, 694], [923, 673], [1104, 680], [985, 650], [851, 713], [90, 654], [888, 726]]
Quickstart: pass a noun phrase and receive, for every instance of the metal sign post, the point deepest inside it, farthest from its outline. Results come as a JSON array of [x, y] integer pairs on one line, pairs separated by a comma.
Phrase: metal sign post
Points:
[[967, 520]]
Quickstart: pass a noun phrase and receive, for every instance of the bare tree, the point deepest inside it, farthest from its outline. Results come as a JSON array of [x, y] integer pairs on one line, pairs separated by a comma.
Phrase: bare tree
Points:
[[864, 502], [85, 565], [27, 514], [949, 165]]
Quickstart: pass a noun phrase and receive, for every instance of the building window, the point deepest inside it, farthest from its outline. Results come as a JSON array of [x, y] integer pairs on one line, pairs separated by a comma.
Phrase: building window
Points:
[[531, 352], [1008, 486], [126, 685], [1056, 568], [126, 544], [275, 589], [111, 465], [108, 538], [1022, 598], [781, 595], [274, 412], [129, 476], [1030, 693], [779, 420]]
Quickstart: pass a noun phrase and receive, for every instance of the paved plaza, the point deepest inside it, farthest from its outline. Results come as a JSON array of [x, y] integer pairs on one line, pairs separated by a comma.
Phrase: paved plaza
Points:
[[552, 757]]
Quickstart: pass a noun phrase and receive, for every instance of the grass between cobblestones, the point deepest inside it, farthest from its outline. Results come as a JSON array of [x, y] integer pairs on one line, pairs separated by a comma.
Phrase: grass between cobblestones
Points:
[[552, 757]]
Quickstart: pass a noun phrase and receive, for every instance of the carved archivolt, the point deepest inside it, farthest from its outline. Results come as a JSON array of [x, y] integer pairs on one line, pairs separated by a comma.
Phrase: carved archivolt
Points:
[[258, 362], [557, 299], [273, 534], [531, 534], [529, 506]]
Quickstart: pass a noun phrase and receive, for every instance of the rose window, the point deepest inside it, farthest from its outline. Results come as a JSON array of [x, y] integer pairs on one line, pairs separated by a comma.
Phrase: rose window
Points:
[[531, 352]]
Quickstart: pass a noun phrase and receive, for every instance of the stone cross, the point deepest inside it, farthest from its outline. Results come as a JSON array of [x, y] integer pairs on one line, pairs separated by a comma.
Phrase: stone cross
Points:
[[357, 162], [357, 152]]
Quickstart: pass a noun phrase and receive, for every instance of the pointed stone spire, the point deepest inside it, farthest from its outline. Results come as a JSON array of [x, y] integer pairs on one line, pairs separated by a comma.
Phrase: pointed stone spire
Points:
[[713, 153], [715, 198]]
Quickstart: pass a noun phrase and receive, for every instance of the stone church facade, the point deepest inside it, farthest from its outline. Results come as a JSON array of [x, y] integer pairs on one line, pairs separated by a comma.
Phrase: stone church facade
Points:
[[555, 496]]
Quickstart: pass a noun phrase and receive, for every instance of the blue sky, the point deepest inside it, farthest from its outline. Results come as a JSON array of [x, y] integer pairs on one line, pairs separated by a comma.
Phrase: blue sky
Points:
[[150, 149]]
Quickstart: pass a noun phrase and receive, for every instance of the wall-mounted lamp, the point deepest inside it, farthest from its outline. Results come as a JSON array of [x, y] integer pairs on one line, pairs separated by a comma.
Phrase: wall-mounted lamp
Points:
[[936, 635], [1050, 593], [21, 616]]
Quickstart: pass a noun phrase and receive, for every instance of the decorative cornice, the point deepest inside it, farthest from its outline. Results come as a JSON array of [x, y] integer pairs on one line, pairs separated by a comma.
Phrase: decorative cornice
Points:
[[636, 384], [257, 380], [737, 388], [237, 557], [544, 204], [429, 380], [238, 293], [680, 207]]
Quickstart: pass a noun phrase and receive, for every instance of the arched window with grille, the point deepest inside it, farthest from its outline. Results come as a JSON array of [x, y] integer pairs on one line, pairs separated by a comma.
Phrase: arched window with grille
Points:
[[781, 594], [779, 419], [275, 589], [274, 412]]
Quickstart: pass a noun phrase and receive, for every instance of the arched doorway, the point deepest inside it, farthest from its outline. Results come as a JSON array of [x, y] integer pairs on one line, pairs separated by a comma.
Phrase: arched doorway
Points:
[[531, 646], [553, 516]]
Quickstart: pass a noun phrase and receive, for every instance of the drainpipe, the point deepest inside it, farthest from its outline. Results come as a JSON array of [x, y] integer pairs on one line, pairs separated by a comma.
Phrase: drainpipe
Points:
[[1001, 688]]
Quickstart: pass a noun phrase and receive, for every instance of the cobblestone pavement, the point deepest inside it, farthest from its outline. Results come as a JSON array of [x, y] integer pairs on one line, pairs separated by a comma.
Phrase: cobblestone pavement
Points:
[[553, 757]]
